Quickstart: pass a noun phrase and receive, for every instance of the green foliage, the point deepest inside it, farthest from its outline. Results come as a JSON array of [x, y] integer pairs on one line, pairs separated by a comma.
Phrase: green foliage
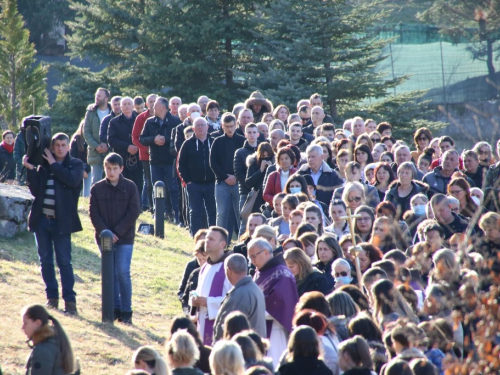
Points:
[[21, 81]]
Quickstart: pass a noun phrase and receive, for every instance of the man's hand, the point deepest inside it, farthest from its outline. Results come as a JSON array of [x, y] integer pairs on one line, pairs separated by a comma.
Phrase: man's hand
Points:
[[47, 155], [115, 238], [230, 180], [26, 164], [199, 301], [102, 148], [160, 140], [85, 174], [132, 149]]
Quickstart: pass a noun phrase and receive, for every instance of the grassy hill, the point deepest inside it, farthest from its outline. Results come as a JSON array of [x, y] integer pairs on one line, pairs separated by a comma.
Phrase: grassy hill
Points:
[[157, 267]]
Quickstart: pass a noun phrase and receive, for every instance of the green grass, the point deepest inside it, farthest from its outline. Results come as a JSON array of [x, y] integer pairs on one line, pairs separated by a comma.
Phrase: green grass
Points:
[[157, 267]]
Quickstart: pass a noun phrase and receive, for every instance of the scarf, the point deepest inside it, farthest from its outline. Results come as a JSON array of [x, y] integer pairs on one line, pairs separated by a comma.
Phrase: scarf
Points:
[[9, 148]]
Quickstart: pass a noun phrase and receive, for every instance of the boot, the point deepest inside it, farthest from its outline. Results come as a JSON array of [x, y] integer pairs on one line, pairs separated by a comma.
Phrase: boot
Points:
[[117, 314], [52, 303], [127, 317], [70, 308]]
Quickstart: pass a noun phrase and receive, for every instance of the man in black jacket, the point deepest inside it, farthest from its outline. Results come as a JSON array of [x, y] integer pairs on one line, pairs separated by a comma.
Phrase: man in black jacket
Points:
[[54, 216], [240, 166], [195, 171], [227, 196], [115, 205], [156, 135], [120, 141]]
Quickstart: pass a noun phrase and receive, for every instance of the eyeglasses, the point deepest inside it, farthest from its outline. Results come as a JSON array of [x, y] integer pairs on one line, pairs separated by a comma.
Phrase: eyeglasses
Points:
[[455, 210], [422, 139], [484, 152], [455, 192], [354, 199], [342, 273], [305, 119], [252, 257], [375, 140]]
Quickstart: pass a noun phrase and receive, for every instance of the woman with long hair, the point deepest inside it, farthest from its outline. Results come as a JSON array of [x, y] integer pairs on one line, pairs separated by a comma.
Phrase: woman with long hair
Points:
[[363, 224], [364, 139], [327, 154], [354, 195], [313, 216], [421, 139], [257, 164], [460, 189], [227, 359], [308, 278], [327, 251], [51, 348], [277, 180], [363, 155], [182, 354], [281, 112], [355, 357], [383, 177], [78, 149], [148, 359], [386, 235]]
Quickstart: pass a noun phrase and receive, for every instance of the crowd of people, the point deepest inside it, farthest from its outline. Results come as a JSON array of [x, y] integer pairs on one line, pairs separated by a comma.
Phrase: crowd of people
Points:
[[355, 254]]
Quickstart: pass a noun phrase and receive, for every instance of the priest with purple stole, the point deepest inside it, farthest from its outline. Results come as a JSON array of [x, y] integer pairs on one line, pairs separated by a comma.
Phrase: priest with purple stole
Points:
[[213, 284], [277, 283]]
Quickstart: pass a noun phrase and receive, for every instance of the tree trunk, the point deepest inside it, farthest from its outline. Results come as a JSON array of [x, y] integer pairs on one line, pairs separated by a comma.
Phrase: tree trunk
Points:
[[228, 46], [491, 69], [13, 90]]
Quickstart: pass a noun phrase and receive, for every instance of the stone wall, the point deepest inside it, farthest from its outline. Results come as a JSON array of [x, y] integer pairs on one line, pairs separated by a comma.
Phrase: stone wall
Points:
[[15, 206]]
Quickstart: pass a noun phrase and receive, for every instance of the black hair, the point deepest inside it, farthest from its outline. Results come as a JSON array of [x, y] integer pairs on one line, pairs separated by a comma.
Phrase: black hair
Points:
[[114, 159], [235, 322]]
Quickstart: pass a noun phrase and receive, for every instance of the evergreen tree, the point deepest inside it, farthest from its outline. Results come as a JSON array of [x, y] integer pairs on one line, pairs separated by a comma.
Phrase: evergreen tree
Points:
[[21, 81]]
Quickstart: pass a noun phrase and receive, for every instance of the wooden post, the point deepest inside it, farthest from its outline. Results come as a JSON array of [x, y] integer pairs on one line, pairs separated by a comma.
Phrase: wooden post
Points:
[[354, 250]]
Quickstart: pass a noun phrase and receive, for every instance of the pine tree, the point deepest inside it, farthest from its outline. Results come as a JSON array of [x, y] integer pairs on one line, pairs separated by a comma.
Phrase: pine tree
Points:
[[21, 81]]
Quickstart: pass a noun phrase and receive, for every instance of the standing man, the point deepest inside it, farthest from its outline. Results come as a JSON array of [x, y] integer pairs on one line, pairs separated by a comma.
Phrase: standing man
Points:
[[440, 177], [115, 205], [140, 121], [195, 171], [213, 284], [245, 116], [202, 102], [54, 216], [120, 140], [156, 135], [227, 196], [295, 134], [316, 100], [174, 103], [280, 292], [115, 111], [317, 119], [245, 296], [97, 150], [240, 165]]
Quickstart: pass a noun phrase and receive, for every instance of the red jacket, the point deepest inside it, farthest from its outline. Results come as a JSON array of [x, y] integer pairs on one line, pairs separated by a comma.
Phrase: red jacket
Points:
[[437, 162], [136, 132], [273, 185]]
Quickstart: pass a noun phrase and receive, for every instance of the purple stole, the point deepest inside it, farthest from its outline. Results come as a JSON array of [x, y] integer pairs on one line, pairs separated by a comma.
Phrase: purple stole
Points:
[[215, 291]]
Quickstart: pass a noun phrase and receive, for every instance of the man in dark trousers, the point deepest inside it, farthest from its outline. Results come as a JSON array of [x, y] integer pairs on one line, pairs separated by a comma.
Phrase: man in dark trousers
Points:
[[54, 216], [115, 205]]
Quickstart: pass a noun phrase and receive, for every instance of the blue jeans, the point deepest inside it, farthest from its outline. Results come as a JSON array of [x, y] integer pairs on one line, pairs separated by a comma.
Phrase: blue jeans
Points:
[[228, 199], [86, 186], [165, 173], [96, 172], [201, 198], [147, 189], [243, 222], [123, 282], [48, 240]]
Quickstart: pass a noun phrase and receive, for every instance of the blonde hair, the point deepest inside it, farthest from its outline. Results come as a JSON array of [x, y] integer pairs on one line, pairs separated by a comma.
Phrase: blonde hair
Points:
[[182, 348], [152, 358], [353, 186], [489, 220], [299, 257], [227, 359]]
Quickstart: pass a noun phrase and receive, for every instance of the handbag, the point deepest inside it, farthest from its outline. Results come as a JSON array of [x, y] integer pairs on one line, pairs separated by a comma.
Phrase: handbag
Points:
[[248, 205]]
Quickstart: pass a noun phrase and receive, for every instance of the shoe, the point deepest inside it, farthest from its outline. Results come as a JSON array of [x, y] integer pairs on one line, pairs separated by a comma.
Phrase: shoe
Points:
[[70, 308], [175, 221], [127, 317], [181, 225], [145, 208], [117, 314], [52, 303]]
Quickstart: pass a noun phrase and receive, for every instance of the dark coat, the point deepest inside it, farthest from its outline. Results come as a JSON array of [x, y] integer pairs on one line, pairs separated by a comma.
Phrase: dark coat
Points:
[[358, 371], [254, 180], [315, 282], [115, 208], [491, 188], [194, 161], [327, 182], [327, 271], [222, 155], [82, 155], [159, 155], [19, 152], [103, 130], [190, 267], [7, 165], [68, 177], [191, 285], [403, 204], [45, 358], [120, 135], [186, 371], [436, 182], [240, 166], [305, 365]]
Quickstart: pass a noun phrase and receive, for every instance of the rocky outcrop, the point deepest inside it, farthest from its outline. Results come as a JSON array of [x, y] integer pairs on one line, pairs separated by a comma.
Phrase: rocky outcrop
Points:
[[15, 206]]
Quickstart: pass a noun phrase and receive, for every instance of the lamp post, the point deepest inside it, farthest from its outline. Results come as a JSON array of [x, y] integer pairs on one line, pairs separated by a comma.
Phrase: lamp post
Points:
[[159, 194], [108, 276]]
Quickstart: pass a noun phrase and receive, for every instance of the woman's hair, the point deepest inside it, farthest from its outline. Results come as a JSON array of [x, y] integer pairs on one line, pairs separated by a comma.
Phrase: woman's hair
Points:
[[387, 153], [291, 200], [314, 208], [409, 166], [478, 146], [311, 318], [362, 324], [251, 353], [367, 150], [278, 108], [489, 220], [462, 184], [184, 323], [398, 367], [332, 244], [262, 344], [357, 348], [39, 312], [77, 137], [328, 148], [200, 233], [199, 247], [365, 209], [427, 154], [308, 238], [235, 322], [394, 238], [300, 258], [341, 303], [294, 242], [152, 358], [264, 147], [387, 300], [357, 296], [422, 366], [418, 133], [385, 205], [304, 342], [182, 348], [313, 301], [274, 125], [226, 358], [285, 151], [301, 180], [438, 332], [368, 140], [448, 257], [353, 186]]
